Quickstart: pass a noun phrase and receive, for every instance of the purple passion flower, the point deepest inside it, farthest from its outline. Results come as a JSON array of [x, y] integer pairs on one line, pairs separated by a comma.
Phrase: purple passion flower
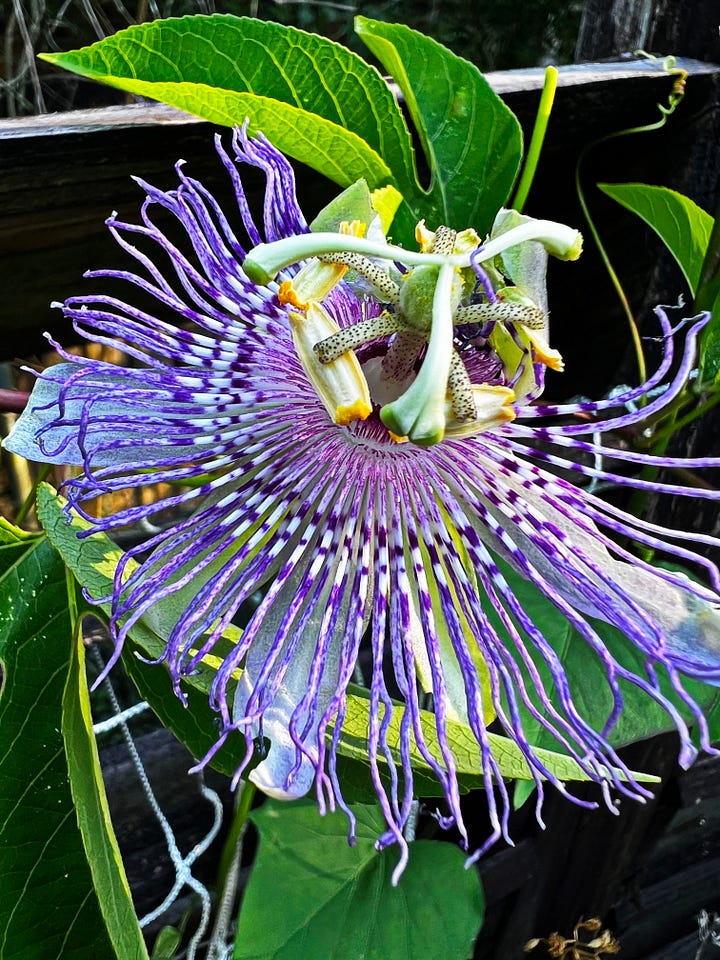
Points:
[[354, 432]]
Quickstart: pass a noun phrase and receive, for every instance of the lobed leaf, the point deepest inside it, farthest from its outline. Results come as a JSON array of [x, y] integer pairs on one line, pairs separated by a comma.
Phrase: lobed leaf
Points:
[[326, 107], [313, 98], [338, 901], [471, 139]]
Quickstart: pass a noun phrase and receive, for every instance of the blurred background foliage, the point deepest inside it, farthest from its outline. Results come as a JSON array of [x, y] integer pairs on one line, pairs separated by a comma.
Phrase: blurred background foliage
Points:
[[494, 34]]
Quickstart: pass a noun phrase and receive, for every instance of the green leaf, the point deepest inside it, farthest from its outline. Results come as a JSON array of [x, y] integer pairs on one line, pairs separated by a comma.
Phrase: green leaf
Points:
[[93, 815], [354, 203], [314, 99], [522, 792], [10, 534], [166, 944], [324, 106], [472, 141], [466, 751], [338, 902], [641, 716], [49, 905], [710, 347], [682, 225]]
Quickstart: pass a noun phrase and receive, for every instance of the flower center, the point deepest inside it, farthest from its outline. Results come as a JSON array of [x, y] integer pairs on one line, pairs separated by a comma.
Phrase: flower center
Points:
[[421, 382]]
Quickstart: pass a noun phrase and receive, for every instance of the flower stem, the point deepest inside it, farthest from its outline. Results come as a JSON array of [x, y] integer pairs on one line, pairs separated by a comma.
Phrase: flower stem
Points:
[[245, 797], [547, 98]]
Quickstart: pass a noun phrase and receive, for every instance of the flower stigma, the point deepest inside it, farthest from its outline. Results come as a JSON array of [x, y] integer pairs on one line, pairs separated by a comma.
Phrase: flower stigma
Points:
[[422, 387]]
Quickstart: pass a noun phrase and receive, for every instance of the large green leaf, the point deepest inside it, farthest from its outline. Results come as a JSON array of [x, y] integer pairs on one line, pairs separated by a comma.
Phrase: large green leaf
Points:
[[472, 141], [93, 560], [338, 902], [315, 100], [326, 107], [686, 230], [682, 225], [51, 904]]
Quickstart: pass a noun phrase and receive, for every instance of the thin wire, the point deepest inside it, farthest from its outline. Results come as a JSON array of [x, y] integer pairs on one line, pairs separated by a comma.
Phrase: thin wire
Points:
[[182, 865], [219, 948]]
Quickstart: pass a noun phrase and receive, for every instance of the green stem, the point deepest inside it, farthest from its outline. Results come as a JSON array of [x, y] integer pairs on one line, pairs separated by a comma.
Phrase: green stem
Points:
[[674, 99], [678, 423], [13, 401], [615, 280], [547, 98], [246, 795]]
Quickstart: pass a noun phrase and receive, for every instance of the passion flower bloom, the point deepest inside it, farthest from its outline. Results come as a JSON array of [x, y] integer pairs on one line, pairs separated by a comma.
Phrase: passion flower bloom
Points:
[[353, 428]]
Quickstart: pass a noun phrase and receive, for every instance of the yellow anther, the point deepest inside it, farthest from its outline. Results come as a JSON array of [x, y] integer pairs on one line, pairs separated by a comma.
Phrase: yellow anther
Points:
[[466, 241], [287, 294], [397, 439], [353, 228], [340, 384], [543, 352], [424, 237], [357, 410], [318, 277], [493, 407]]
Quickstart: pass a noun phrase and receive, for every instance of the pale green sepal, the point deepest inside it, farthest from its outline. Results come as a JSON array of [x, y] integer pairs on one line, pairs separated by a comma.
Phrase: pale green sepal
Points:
[[525, 264], [374, 208], [354, 203], [504, 345], [48, 428]]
